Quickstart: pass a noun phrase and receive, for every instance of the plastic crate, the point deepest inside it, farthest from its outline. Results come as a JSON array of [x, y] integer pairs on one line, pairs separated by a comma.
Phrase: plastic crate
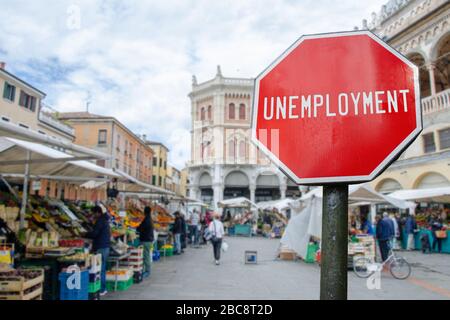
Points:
[[311, 254], [156, 255], [243, 230], [166, 252], [121, 285], [231, 231], [94, 277], [94, 286], [74, 294]]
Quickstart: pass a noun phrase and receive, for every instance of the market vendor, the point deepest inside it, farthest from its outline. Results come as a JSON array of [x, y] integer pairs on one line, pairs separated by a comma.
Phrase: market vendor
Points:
[[101, 236], [366, 226], [146, 238]]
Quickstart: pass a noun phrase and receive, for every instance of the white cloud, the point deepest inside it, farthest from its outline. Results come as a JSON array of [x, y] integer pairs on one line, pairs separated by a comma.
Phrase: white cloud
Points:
[[136, 57]]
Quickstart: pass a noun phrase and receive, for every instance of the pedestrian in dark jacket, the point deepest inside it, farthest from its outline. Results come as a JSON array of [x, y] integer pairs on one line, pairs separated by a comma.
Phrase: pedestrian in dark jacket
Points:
[[146, 238], [436, 225], [410, 227], [177, 231], [101, 236], [383, 233]]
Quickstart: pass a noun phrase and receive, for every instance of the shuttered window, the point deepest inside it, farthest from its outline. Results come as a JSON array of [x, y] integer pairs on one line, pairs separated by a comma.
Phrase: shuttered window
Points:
[[444, 138], [428, 143], [9, 92]]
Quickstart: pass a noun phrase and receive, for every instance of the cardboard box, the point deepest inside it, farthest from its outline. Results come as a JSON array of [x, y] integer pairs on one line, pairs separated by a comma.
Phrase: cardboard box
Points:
[[288, 255]]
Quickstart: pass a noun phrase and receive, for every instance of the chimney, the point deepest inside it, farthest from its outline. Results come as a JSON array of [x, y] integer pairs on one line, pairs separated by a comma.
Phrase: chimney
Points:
[[2, 65], [144, 137]]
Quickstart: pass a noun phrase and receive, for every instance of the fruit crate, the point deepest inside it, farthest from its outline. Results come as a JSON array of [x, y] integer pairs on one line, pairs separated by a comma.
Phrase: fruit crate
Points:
[[74, 294], [19, 288], [121, 285], [136, 252]]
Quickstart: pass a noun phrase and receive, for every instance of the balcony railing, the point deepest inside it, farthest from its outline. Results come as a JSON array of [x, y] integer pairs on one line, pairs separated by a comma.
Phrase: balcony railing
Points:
[[49, 120], [437, 102]]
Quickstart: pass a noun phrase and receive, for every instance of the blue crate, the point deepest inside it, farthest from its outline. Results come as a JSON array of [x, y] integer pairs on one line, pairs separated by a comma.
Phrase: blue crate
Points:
[[74, 294], [156, 255]]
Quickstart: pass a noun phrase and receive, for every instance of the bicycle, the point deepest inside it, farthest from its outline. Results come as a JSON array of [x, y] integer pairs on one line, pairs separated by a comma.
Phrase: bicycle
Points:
[[398, 266]]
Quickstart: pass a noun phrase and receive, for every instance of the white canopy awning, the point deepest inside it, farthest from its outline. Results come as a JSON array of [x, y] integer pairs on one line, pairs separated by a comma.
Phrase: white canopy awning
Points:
[[426, 195], [45, 161], [280, 205], [363, 193], [240, 202]]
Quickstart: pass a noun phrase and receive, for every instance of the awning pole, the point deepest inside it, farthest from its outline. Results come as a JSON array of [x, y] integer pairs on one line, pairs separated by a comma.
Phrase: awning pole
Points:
[[25, 191]]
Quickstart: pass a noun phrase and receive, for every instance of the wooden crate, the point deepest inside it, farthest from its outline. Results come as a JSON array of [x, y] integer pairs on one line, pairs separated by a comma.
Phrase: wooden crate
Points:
[[16, 287], [34, 295]]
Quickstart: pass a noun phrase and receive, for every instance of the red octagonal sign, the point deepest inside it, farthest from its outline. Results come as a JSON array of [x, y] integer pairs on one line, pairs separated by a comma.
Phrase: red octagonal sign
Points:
[[336, 108]]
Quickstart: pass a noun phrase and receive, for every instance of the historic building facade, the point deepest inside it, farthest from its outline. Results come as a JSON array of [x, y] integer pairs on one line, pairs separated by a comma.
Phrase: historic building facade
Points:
[[420, 30], [224, 163]]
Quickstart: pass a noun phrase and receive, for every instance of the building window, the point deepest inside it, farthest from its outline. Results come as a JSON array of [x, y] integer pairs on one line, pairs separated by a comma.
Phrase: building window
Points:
[[242, 111], [102, 136], [231, 149], [209, 113], [444, 138], [428, 143], [5, 119], [160, 163], [154, 180], [41, 132], [160, 181], [202, 114], [155, 161], [27, 101], [165, 165], [231, 110], [23, 126], [242, 149], [9, 92]]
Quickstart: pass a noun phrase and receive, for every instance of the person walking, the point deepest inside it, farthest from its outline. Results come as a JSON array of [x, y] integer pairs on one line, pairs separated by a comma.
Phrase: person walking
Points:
[[146, 238], [101, 241], [195, 223], [177, 231], [394, 243], [184, 232], [217, 231], [410, 227], [383, 234], [436, 225]]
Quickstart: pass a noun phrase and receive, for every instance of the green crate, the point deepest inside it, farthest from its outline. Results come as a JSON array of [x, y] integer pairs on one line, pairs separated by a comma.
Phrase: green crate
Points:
[[166, 252], [94, 286], [311, 255], [121, 285]]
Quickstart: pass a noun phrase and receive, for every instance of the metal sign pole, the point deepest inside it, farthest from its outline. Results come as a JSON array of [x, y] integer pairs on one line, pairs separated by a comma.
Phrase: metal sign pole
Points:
[[334, 251], [26, 182]]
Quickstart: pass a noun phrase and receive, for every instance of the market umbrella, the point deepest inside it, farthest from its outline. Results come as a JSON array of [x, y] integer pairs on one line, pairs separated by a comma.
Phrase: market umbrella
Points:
[[441, 195], [240, 202]]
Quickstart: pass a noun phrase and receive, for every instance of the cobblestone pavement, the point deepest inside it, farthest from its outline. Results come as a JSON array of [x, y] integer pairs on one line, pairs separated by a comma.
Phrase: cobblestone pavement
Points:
[[194, 276]]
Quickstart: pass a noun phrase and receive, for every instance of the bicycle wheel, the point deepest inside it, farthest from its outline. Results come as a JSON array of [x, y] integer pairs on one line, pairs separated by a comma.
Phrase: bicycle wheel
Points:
[[360, 267], [400, 268]]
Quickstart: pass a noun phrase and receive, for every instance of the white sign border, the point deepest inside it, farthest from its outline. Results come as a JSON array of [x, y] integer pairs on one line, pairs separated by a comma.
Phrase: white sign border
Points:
[[347, 179]]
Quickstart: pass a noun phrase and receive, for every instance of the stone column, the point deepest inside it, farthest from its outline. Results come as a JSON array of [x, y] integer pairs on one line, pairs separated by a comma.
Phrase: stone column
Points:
[[218, 194], [283, 189], [252, 188], [431, 67], [194, 192]]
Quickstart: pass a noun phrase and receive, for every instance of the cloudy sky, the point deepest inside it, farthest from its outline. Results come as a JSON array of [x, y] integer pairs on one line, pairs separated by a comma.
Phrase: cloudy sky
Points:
[[135, 58]]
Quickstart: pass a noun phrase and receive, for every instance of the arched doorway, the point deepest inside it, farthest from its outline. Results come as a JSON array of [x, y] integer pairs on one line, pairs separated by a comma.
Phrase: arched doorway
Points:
[[267, 187], [442, 64], [431, 180], [205, 186], [424, 75], [388, 186], [236, 185]]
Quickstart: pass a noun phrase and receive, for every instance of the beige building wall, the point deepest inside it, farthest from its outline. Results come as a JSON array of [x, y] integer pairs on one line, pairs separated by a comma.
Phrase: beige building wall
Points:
[[160, 165], [11, 111]]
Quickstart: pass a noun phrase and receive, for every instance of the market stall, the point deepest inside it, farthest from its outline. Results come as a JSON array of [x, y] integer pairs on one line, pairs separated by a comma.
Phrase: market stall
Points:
[[239, 216], [304, 228], [273, 217]]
